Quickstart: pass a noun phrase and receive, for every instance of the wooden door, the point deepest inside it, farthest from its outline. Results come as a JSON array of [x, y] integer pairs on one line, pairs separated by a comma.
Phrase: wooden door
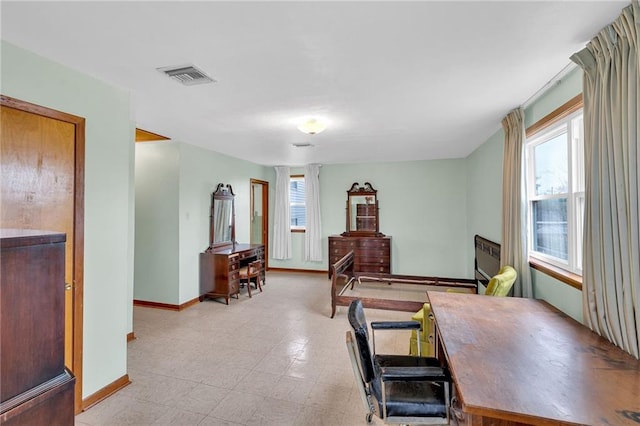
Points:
[[42, 187], [260, 215]]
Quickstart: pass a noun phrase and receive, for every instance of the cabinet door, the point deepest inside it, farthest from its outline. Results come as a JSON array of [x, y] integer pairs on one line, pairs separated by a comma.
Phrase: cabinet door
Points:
[[207, 273], [32, 314]]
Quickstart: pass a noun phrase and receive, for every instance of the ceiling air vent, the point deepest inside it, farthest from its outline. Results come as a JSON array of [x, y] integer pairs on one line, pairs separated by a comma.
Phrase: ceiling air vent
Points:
[[188, 75], [301, 145]]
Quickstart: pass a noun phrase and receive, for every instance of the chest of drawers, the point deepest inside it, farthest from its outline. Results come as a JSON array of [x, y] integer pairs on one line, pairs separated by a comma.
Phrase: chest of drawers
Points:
[[35, 386], [372, 254]]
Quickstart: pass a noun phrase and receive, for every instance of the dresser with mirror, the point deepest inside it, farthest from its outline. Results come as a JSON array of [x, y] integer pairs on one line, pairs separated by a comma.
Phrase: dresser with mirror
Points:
[[372, 249], [220, 263]]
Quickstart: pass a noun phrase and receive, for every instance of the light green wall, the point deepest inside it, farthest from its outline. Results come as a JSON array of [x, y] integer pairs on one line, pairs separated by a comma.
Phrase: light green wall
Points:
[[422, 207], [200, 171], [484, 192], [108, 212], [559, 294], [569, 87], [156, 240], [174, 182]]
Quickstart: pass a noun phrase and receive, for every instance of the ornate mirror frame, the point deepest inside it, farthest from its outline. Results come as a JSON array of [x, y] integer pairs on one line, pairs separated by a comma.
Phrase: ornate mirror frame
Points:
[[222, 218], [362, 212]]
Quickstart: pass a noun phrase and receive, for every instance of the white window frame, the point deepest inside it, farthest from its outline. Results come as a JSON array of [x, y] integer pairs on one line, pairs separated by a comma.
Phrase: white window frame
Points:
[[575, 189]]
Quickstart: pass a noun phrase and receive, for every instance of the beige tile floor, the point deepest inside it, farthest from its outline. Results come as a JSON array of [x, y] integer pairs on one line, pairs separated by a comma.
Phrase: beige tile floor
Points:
[[274, 359]]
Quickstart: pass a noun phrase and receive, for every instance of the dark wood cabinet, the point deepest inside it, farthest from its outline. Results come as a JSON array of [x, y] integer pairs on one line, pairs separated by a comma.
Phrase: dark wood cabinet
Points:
[[372, 254], [36, 387], [219, 269]]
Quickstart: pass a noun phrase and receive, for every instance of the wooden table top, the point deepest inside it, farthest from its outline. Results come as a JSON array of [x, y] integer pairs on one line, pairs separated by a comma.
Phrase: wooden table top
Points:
[[523, 360]]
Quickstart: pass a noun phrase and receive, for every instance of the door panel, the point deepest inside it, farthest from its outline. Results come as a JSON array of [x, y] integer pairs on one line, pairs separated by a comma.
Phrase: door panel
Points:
[[41, 188], [259, 232]]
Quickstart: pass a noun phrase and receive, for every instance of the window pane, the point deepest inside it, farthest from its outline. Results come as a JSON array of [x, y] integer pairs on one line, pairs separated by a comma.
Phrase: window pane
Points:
[[577, 131], [579, 230], [297, 216], [551, 166], [296, 190], [297, 202], [550, 227]]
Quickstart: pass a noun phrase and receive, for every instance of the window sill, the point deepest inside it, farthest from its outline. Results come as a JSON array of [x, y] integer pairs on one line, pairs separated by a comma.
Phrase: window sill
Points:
[[298, 230], [574, 280]]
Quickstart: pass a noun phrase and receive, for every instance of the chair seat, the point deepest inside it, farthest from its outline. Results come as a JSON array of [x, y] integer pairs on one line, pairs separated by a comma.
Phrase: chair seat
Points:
[[245, 271], [249, 273], [415, 399]]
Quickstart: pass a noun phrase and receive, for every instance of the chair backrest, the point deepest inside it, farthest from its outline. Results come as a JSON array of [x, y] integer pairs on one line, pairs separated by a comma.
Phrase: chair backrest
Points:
[[359, 324], [501, 283]]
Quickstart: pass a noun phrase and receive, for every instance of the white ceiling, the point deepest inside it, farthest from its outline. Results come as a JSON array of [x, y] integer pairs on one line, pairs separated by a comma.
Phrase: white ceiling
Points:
[[395, 81]]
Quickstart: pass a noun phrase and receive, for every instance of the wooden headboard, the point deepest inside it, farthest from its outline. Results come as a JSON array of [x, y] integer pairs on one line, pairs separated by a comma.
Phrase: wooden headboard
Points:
[[487, 259]]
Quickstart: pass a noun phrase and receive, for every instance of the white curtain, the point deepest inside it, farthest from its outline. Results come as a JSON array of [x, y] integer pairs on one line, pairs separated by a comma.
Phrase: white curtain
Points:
[[611, 271], [313, 231], [282, 216], [514, 221]]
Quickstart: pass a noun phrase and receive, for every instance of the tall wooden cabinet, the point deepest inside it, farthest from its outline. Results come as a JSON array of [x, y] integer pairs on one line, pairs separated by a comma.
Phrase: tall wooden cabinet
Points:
[[36, 388], [371, 248], [372, 254]]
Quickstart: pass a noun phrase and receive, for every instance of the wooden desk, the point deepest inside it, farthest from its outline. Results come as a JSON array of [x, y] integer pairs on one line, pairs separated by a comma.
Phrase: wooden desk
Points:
[[219, 269], [522, 361]]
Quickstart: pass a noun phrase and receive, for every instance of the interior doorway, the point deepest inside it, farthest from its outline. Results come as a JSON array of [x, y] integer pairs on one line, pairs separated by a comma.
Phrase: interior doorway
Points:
[[259, 230], [42, 175]]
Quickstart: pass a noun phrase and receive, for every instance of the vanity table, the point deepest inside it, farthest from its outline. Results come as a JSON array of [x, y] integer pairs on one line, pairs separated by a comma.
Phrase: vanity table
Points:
[[371, 248], [220, 263], [219, 269]]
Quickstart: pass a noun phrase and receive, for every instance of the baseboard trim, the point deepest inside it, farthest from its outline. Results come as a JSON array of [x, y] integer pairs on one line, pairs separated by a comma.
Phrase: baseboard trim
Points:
[[131, 336], [312, 271], [168, 306], [105, 392]]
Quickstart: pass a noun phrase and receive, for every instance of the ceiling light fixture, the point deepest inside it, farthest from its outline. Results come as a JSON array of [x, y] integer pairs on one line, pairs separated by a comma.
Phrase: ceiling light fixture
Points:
[[312, 126]]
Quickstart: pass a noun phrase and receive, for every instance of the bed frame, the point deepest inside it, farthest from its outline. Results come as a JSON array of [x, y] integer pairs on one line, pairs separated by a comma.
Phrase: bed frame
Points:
[[486, 265]]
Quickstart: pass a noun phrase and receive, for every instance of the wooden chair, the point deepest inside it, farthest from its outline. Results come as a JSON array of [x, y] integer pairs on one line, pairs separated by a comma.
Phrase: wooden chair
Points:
[[250, 272]]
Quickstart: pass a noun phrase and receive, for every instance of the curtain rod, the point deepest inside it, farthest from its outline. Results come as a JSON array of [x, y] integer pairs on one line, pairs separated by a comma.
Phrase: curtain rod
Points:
[[553, 82]]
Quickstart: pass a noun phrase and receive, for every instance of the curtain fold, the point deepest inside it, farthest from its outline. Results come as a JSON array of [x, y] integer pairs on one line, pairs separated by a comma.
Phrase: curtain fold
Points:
[[282, 216], [611, 251], [313, 232], [514, 221]]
